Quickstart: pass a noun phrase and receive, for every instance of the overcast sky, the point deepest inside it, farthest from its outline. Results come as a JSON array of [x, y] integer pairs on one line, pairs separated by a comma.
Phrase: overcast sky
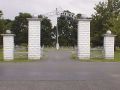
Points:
[[11, 8]]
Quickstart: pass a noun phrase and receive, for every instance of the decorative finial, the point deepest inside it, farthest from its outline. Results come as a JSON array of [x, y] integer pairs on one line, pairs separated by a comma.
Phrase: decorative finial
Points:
[[109, 32], [8, 32]]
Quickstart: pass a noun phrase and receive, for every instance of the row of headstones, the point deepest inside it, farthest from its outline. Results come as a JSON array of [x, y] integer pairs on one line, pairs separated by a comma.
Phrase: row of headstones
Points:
[[34, 48]]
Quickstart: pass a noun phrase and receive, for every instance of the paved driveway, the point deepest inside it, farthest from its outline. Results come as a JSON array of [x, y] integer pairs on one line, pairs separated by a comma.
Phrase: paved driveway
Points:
[[57, 72]]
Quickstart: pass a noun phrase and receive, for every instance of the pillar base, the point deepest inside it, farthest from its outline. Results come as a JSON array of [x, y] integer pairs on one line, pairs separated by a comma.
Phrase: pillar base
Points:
[[109, 58], [34, 58], [84, 57], [57, 46]]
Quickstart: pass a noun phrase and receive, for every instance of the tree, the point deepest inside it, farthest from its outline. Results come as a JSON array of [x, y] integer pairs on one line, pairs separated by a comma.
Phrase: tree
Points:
[[78, 16], [67, 28], [4, 25], [116, 29], [1, 13], [46, 32], [1, 27], [114, 7], [101, 21], [20, 28], [8, 24]]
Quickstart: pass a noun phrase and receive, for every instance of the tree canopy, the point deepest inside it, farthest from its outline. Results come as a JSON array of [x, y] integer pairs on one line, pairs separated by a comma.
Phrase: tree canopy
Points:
[[1, 26], [67, 28], [46, 31], [102, 20], [20, 28]]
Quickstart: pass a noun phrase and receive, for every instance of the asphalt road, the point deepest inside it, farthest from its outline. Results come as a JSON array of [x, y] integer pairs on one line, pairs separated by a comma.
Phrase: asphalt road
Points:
[[58, 72]]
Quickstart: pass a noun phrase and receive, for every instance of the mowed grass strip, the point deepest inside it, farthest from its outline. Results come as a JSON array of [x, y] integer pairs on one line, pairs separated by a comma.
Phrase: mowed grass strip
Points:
[[116, 59]]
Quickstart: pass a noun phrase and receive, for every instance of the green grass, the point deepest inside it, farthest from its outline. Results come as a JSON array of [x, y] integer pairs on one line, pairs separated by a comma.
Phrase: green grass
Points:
[[73, 57], [117, 58], [19, 60], [1, 56], [60, 49], [22, 59], [16, 60]]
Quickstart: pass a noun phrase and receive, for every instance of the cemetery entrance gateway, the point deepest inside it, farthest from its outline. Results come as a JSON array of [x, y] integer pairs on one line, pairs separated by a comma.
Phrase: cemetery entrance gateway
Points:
[[34, 34]]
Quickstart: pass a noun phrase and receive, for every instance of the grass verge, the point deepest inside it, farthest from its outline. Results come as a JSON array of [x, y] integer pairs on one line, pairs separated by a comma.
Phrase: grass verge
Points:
[[20, 59], [116, 59]]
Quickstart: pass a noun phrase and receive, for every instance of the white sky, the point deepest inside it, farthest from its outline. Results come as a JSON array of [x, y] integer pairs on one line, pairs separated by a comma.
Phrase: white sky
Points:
[[11, 8]]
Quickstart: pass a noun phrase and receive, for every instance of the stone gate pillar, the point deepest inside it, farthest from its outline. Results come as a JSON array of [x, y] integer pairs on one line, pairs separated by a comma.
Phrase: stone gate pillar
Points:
[[8, 46], [34, 38], [84, 38], [109, 41]]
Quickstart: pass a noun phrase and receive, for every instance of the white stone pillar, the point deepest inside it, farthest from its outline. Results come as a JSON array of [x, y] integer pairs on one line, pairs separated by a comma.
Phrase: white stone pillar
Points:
[[109, 41], [8, 46], [34, 38], [84, 38]]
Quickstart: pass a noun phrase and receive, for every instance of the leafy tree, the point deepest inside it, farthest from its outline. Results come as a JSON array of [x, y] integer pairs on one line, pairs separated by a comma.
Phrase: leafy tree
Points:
[[67, 28], [114, 7], [8, 24], [116, 29], [20, 28], [46, 32], [78, 16], [101, 21], [1, 27], [4, 25], [1, 13]]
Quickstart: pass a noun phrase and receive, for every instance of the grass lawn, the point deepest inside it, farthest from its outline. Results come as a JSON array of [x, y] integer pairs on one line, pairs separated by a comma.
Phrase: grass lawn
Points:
[[117, 58], [1, 56], [16, 60], [73, 57], [61, 49], [19, 58]]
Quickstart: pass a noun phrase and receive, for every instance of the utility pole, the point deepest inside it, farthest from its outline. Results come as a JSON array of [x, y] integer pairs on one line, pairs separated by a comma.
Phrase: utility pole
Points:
[[57, 43]]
